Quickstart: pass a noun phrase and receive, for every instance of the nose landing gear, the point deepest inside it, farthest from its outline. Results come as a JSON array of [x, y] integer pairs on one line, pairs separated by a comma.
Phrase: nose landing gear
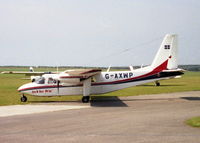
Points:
[[23, 98], [85, 99]]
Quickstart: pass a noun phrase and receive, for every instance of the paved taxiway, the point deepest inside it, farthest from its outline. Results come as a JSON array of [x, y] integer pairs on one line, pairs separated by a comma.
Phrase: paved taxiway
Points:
[[148, 118], [14, 110]]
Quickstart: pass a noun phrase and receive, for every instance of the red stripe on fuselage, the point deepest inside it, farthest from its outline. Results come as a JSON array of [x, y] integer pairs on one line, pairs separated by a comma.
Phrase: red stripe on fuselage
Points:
[[160, 68], [39, 87]]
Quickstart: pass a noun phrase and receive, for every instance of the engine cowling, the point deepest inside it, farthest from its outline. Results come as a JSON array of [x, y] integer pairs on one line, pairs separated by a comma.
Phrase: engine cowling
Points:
[[34, 78]]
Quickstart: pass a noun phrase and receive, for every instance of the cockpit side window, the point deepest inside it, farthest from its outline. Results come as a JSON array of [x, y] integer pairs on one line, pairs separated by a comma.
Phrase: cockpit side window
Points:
[[41, 80]]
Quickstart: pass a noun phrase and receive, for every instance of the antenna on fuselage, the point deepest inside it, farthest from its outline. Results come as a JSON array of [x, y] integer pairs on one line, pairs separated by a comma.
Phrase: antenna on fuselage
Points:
[[108, 68], [131, 68]]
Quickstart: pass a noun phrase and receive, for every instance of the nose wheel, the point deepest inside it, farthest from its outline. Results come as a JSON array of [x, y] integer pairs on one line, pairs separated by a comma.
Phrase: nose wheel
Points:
[[23, 98], [85, 99]]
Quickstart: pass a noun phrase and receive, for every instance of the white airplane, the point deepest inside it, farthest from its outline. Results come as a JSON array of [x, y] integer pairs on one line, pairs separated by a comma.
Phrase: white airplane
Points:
[[94, 81]]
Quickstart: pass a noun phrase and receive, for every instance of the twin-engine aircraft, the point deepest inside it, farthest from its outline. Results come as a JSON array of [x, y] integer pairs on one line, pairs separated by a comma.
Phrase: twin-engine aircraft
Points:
[[94, 81]]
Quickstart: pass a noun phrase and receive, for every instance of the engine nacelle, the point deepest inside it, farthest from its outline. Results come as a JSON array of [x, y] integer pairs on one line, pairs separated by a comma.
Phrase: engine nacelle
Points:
[[34, 78]]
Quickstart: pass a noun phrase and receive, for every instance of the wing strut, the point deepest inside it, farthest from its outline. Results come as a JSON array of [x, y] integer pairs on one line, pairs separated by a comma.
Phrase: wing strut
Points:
[[58, 86]]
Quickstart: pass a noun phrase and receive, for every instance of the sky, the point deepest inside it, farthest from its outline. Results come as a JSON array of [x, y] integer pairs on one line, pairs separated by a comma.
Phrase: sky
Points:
[[96, 32]]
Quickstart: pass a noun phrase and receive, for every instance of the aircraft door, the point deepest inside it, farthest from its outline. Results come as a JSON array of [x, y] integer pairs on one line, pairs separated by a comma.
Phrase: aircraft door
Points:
[[55, 84]]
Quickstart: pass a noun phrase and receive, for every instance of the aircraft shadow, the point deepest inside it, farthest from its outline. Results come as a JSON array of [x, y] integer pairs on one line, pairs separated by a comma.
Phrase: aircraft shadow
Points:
[[106, 101], [191, 98], [96, 101], [54, 102]]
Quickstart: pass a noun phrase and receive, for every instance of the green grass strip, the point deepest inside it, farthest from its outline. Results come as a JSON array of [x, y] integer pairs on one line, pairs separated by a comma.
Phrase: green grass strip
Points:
[[194, 122]]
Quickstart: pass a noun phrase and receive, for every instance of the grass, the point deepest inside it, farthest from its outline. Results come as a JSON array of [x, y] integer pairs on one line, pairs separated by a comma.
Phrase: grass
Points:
[[194, 122], [10, 82]]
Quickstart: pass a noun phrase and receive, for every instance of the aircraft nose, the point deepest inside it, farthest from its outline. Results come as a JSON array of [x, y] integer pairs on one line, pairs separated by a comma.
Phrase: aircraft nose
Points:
[[20, 88], [23, 87]]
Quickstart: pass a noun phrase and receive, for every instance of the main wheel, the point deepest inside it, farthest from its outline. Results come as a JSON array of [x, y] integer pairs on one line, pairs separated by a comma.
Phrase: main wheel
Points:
[[23, 98], [157, 83], [85, 99]]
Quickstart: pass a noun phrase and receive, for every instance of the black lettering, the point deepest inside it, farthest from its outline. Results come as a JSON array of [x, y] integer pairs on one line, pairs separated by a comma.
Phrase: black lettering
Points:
[[125, 75], [130, 74], [120, 75], [116, 76], [107, 76]]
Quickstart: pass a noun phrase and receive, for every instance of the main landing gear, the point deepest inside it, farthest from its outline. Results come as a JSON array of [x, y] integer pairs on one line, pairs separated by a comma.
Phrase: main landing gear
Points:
[[157, 83], [85, 99], [23, 98]]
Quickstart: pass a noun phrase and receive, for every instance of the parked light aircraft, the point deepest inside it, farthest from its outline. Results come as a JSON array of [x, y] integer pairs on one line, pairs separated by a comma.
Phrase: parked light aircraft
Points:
[[94, 81]]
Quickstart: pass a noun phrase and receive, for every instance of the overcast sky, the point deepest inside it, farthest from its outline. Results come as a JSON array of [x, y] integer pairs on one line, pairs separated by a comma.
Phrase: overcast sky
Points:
[[96, 32]]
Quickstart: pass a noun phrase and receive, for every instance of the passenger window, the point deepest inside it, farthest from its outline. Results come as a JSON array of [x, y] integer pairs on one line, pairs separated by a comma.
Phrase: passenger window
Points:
[[50, 81], [54, 81]]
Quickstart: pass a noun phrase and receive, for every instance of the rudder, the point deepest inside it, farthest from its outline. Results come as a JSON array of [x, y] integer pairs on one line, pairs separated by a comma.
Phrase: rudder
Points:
[[168, 51]]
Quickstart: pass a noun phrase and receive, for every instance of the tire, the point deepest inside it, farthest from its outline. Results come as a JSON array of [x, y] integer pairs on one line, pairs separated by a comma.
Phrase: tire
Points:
[[23, 99], [85, 99], [157, 83]]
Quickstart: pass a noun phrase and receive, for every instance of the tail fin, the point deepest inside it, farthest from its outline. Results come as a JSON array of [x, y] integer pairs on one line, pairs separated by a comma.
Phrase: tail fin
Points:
[[167, 52]]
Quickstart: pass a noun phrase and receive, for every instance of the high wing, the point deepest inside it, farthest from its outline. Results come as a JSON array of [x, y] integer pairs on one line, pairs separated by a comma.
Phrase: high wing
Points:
[[80, 73], [27, 73]]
